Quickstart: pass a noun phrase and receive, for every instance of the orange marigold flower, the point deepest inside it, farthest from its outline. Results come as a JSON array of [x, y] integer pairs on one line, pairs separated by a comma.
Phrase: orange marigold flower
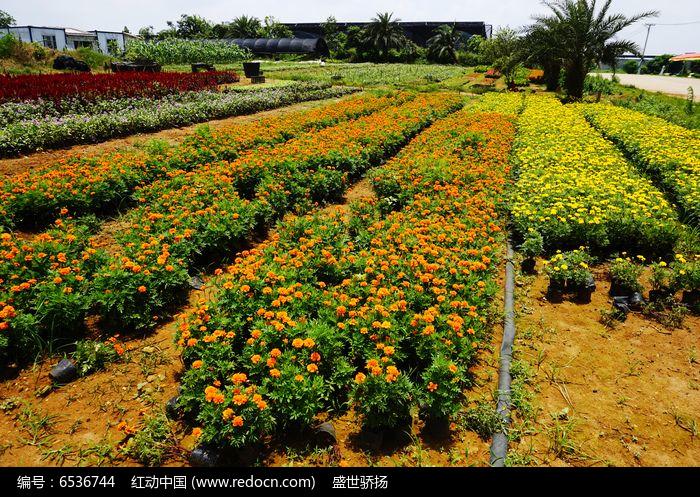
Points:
[[312, 368], [275, 373], [141, 289], [360, 377], [432, 386], [238, 421], [315, 356], [297, 343], [197, 364], [227, 414], [239, 378], [196, 432]]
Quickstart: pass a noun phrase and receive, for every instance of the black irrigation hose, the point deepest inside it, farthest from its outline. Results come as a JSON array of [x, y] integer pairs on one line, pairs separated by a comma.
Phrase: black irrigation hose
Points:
[[499, 444]]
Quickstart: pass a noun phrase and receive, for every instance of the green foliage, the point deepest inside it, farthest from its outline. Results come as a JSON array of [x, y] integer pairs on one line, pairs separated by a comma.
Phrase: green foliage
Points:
[[274, 29], [598, 85], [153, 442], [570, 269], [383, 34], [625, 274], [191, 26], [631, 66], [443, 45], [244, 27], [533, 245], [383, 400], [94, 59], [580, 35], [7, 45], [93, 356], [173, 51], [6, 19], [502, 51], [483, 419]]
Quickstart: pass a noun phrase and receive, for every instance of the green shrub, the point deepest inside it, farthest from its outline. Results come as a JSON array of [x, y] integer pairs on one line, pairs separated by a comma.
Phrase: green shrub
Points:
[[151, 444], [624, 273], [95, 60], [569, 268], [175, 51], [93, 356]]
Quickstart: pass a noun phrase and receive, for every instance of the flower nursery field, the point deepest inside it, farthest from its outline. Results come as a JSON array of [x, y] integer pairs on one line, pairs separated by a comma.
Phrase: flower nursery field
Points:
[[324, 285]]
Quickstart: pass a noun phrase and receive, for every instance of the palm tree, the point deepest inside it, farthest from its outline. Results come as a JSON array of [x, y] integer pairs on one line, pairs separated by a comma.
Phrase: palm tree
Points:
[[581, 35], [384, 33], [245, 27], [539, 51], [442, 46]]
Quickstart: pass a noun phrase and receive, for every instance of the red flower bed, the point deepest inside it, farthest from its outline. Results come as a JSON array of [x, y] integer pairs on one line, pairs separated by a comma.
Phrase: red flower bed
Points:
[[91, 87]]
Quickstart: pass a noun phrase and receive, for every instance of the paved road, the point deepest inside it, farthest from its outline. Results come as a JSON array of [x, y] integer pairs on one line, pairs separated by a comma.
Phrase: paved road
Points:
[[666, 84]]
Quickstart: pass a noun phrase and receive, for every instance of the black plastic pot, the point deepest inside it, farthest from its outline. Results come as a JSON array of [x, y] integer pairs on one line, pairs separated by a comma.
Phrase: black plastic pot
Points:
[[172, 410], [528, 265], [636, 301], [64, 372], [622, 306], [196, 282], [204, 456], [584, 292], [251, 69], [555, 292], [618, 290], [656, 295], [325, 434], [691, 298], [437, 427]]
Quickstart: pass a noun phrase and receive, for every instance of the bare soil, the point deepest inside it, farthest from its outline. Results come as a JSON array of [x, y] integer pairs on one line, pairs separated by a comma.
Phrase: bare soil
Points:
[[627, 396]]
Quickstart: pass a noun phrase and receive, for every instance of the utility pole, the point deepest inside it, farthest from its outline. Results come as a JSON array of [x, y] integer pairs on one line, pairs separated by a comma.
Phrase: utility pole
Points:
[[644, 51]]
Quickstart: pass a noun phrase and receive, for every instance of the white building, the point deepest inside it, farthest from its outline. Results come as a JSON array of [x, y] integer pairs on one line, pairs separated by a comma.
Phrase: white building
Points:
[[107, 42]]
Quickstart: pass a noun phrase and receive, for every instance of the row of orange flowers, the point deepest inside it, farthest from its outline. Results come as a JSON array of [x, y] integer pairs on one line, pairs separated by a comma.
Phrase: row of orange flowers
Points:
[[384, 309], [186, 216], [99, 183], [191, 217], [46, 284]]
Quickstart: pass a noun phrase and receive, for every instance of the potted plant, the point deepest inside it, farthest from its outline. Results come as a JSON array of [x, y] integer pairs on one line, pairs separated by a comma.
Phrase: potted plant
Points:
[[624, 277], [686, 277], [569, 272], [661, 277], [532, 246]]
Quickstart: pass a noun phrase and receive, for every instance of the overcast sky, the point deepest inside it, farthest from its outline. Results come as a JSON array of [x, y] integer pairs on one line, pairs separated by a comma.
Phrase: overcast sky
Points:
[[115, 14]]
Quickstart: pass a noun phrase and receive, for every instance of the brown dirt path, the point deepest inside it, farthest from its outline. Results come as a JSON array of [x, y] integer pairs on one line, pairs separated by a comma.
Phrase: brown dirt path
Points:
[[628, 396], [10, 167]]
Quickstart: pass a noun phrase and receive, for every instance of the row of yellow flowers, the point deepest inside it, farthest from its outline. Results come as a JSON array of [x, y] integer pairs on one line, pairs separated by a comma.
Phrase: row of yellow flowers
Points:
[[575, 188], [383, 309], [668, 152]]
